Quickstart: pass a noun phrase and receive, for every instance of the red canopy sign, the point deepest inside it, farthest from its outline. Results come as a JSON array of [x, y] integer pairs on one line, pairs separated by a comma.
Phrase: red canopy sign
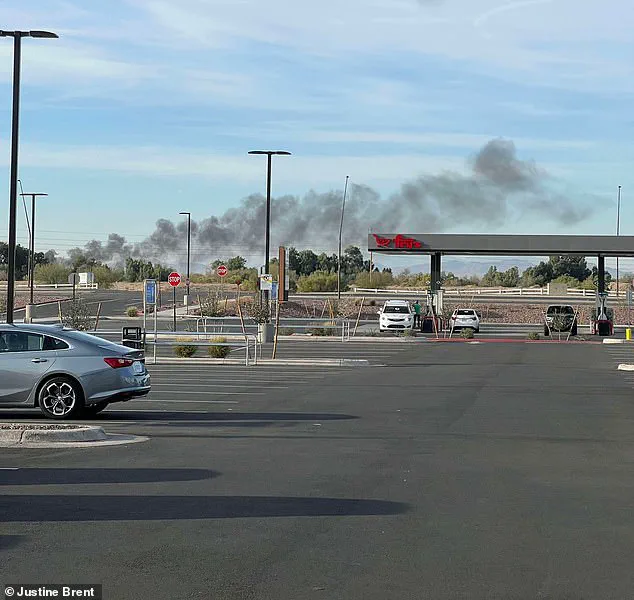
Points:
[[399, 242]]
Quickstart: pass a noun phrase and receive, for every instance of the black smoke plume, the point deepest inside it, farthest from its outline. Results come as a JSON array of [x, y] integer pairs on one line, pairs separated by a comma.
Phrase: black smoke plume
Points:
[[498, 188]]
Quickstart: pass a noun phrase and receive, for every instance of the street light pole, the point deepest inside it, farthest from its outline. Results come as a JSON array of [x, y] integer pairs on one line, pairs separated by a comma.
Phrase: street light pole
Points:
[[267, 242], [32, 243], [618, 226], [189, 237], [343, 208], [13, 182]]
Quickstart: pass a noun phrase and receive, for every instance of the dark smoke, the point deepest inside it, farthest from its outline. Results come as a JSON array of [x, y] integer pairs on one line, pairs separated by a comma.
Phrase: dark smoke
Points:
[[498, 188]]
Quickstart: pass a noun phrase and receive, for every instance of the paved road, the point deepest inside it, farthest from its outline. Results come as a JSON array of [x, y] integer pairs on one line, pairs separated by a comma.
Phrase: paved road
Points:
[[457, 471]]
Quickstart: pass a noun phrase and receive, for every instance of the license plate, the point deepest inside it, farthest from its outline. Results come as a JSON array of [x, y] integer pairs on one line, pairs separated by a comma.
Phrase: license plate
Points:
[[138, 367]]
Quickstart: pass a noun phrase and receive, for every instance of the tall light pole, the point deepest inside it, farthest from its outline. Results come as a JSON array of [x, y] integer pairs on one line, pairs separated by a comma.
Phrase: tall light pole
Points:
[[189, 239], [13, 180], [618, 226], [32, 242], [269, 154], [343, 208]]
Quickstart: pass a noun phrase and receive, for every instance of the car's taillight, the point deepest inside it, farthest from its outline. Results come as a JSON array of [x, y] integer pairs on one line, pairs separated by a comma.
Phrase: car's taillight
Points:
[[118, 363]]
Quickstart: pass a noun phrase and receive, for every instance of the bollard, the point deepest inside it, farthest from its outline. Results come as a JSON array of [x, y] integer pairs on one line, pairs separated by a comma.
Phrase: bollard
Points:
[[628, 334]]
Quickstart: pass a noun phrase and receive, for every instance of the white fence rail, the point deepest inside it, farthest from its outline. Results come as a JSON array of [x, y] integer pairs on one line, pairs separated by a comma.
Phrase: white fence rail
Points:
[[497, 291], [53, 286]]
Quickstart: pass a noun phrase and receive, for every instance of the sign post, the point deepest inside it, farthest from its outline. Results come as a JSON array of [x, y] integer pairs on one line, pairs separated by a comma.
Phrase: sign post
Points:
[[174, 280], [73, 278], [149, 299]]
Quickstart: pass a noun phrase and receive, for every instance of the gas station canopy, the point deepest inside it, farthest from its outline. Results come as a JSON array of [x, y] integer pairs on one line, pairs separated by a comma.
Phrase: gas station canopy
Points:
[[501, 245]]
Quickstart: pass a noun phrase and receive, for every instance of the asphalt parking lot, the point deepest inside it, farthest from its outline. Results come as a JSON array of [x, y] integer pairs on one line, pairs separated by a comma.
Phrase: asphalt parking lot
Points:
[[472, 471]]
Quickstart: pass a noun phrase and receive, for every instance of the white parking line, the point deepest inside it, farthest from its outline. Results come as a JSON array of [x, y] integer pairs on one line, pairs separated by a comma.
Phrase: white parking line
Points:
[[179, 391], [195, 401], [211, 385]]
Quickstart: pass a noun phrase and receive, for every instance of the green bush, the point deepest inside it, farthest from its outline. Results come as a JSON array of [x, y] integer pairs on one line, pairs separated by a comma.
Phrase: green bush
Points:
[[105, 276], [185, 350], [319, 281], [467, 333], [218, 351], [286, 331], [533, 335], [132, 311], [51, 273], [374, 280]]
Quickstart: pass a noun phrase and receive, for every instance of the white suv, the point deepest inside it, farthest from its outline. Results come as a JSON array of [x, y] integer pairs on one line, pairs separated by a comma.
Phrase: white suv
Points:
[[395, 315], [463, 318]]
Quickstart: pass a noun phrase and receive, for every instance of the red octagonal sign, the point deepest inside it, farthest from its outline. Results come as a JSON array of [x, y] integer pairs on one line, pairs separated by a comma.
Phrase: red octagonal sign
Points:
[[174, 279], [222, 271]]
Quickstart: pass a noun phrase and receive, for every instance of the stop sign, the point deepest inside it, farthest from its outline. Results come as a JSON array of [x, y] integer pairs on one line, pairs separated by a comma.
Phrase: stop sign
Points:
[[222, 271], [174, 279]]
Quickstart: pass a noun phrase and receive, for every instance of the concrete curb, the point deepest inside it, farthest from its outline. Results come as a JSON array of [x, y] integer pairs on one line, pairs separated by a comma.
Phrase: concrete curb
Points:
[[613, 341], [31, 434], [625, 367]]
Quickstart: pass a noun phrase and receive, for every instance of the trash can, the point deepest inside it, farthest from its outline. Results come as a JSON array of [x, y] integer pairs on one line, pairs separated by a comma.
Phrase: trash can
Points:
[[132, 337], [604, 328], [428, 325]]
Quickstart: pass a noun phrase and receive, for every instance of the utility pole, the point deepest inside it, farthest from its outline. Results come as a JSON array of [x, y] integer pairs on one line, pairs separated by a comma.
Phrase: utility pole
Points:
[[618, 226], [343, 208]]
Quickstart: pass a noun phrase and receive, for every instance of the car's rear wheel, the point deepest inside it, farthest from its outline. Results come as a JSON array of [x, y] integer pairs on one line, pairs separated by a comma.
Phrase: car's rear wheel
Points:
[[573, 331], [94, 409], [546, 331], [60, 398]]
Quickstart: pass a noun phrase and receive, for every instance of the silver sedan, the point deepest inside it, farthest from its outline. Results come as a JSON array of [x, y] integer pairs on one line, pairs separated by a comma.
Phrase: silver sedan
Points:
[[66, 373]]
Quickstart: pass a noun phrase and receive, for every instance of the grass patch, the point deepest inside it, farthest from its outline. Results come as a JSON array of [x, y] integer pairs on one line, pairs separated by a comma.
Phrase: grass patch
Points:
[[407, 333]]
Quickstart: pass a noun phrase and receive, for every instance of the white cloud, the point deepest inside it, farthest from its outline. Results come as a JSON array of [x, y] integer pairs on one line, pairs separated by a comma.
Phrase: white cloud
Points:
[[454, 140], [183, 162]]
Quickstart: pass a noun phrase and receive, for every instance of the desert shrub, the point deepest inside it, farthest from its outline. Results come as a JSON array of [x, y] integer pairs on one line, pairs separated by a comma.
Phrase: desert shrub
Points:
[[76, 315], [322, 331], [212, 305], [533, 335], [218, 351], [286, 331], [132, 311], [185, 351], [467, 333]]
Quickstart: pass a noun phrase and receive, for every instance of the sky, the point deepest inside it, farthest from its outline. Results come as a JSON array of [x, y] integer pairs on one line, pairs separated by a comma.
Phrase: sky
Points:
[[145, 108]]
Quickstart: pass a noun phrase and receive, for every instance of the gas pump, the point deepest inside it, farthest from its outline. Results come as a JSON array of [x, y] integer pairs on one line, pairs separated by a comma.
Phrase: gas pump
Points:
[[602, 317], [431, 321]]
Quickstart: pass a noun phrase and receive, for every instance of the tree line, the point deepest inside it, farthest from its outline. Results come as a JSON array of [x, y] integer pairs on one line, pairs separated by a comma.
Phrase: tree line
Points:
[[308, 271]]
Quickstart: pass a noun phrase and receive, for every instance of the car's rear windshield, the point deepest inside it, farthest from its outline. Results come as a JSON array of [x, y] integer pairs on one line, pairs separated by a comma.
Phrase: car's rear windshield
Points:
[[396, 309], [560, 310], [465, 312], [87, 338]]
